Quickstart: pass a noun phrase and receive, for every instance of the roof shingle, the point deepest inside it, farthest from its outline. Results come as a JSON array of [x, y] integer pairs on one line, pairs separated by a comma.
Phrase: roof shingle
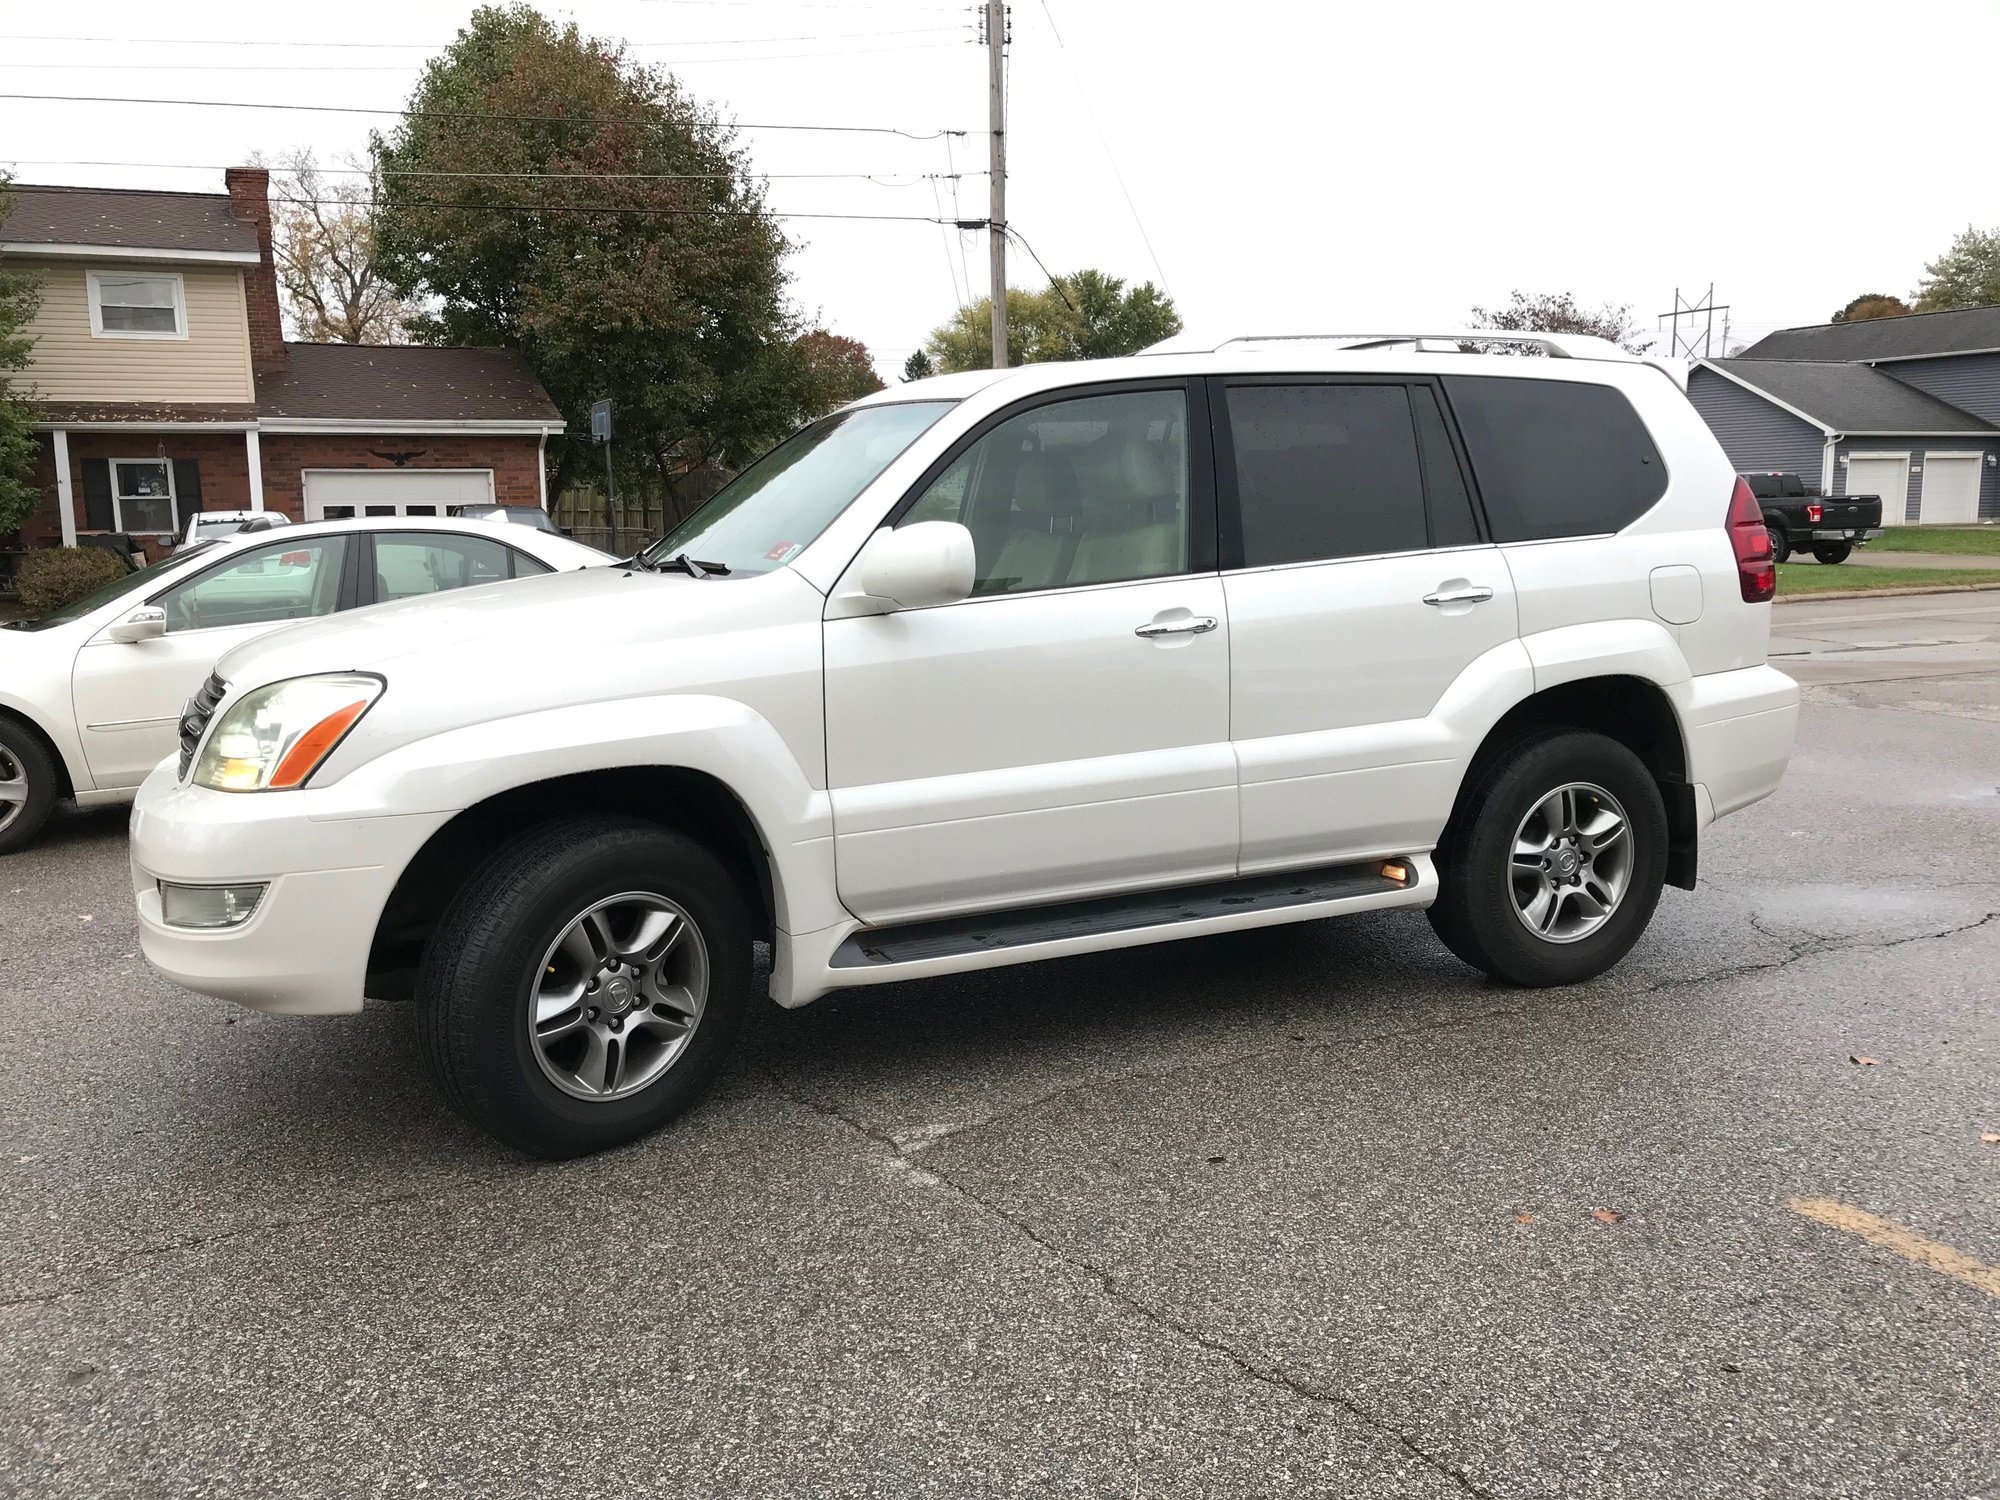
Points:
[[122, 218], [404, 383], [1850, 398], [1962, 330]]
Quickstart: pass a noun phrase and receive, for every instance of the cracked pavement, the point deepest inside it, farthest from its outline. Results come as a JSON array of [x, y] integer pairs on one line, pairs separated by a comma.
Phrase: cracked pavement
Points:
[[1302, 1211]]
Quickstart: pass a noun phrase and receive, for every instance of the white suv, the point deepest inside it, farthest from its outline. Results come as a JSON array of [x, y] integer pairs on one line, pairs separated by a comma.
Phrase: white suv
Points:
[[998, 667]]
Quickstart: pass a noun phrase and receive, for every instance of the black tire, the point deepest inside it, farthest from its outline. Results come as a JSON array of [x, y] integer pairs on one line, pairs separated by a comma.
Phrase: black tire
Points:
[[25, 759], [1781, 545], [476, 982], [1833, 552], [1475, 913]]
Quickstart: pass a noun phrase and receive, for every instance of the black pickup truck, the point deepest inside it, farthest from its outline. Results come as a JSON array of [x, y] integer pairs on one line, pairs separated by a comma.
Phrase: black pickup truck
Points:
[[1800, 521]]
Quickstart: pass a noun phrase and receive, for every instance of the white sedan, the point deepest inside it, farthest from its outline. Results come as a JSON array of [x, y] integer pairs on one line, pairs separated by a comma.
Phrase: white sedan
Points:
[[91, 694]]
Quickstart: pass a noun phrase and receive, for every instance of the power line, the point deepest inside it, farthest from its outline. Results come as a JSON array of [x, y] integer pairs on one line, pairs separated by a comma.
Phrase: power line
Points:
[[1014, 234], [456, 114], [726, 41], [409, 67], [880, 179], [660, 213], [1076, 79]]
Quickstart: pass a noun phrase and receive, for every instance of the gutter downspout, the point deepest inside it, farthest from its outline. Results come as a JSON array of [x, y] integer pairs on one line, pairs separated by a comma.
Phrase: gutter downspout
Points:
[[1826, 464], [542, 467]]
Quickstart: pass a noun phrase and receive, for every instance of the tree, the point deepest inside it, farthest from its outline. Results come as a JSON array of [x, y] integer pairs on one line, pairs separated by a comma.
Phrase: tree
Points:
[[1558, 312], [837, 370], [20, 295], [918, 367], [1085, 316], [327, 267], [1872, 305], [616, 237], [1966, 275]]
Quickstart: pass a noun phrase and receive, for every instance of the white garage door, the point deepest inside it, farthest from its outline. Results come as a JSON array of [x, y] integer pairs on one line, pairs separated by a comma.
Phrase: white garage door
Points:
[[1884, 474], [336, 494], [1951, 488]]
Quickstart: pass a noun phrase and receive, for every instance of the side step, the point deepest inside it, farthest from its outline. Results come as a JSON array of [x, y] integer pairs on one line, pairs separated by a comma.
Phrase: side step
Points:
[[1021, 927]]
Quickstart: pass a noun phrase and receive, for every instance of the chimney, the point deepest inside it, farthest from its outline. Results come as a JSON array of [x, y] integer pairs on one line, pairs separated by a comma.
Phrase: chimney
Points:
[[250, 201]]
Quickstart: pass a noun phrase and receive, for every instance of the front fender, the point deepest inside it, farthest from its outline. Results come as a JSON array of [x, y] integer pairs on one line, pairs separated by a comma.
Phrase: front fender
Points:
[[721, 737]]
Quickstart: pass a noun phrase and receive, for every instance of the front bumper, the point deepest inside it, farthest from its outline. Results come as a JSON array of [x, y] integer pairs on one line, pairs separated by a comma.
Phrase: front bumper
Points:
[[304, 951]]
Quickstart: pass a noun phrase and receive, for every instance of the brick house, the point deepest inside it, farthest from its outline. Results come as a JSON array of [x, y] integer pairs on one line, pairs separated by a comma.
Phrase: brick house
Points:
[[164, 383]]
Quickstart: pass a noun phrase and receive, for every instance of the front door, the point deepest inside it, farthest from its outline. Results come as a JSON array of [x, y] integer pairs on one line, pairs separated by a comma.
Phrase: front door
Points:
[[1359, 591], [129, 695], [1064, 732]]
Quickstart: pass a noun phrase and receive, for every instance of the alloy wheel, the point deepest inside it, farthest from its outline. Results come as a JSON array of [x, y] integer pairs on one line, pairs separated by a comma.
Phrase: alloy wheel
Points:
[[618, 997], [1572, 862], [13, 787]]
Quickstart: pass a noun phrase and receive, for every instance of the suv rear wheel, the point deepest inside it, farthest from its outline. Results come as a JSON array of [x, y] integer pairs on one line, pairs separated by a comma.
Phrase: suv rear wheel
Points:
[[27, 785], [1554, 861], [585, 984]]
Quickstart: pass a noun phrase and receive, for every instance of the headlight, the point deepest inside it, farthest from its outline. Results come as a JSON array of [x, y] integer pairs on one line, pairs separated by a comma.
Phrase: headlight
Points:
[[278, 735]]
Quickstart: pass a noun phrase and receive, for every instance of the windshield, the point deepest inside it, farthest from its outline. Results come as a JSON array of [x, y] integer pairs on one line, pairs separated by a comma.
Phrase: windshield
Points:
[[769, 513], [131, 583]]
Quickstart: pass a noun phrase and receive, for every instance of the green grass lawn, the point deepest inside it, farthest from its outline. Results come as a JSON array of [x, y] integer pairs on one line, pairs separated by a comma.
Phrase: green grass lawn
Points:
[[1976, 541], [1814, 578]]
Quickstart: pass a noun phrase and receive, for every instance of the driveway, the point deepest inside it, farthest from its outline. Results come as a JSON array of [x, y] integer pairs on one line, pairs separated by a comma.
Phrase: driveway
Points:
[[1311, 1211]]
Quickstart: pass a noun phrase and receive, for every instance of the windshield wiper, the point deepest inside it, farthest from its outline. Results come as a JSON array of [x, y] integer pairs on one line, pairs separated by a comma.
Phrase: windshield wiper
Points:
[[693, 567]]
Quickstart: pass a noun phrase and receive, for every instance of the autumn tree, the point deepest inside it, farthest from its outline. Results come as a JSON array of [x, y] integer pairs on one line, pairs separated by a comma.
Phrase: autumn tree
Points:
[[1559, 312], [1966, 275], [1873, 305], [20, 295], [1085, 316], [836, 371], [328, 272], [549, 193]]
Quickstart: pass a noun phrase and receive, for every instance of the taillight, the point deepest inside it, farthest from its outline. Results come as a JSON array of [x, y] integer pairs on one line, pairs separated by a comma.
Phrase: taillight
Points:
[[1756, 573], [1814, 511]]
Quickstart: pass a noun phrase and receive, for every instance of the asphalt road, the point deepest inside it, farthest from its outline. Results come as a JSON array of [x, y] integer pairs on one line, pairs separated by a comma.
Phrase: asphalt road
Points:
[[1306, 1212]]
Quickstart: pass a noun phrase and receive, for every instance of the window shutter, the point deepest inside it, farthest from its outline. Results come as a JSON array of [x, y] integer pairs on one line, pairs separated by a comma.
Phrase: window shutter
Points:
[[187, 485], [97, 494]]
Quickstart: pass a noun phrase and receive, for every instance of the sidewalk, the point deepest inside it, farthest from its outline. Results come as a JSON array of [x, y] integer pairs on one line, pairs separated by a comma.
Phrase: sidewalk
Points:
[[1865, 558]]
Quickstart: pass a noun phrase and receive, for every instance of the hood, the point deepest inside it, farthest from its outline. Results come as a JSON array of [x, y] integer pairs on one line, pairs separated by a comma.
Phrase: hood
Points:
[[526, 624]]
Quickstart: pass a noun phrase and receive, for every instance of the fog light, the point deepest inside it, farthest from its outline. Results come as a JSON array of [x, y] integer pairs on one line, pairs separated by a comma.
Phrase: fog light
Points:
[[208, 905]]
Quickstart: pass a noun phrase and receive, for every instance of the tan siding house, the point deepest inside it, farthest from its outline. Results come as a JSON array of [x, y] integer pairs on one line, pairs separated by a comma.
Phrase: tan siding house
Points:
[[209, 361]]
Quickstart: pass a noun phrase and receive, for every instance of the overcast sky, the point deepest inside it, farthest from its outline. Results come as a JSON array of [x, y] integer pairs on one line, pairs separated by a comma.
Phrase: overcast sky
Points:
[[1326, 165]]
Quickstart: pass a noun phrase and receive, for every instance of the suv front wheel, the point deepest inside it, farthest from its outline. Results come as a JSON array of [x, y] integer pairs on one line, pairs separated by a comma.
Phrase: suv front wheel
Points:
[[1554, 861], [585, 984]]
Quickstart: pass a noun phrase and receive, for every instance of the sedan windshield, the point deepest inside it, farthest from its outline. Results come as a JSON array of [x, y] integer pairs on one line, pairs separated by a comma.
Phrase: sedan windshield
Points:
[[773, 510], [132, 583]]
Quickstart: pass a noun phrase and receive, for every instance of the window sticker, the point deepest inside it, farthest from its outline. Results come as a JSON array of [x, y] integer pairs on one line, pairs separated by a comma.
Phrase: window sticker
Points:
[[780, 552]]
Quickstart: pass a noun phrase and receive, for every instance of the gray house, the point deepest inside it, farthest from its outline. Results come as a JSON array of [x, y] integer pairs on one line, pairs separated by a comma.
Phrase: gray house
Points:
[[1905, 408]]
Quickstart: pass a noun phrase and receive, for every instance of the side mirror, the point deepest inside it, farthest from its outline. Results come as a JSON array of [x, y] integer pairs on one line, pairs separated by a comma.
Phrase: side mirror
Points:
[[914, 567], [147, 623]]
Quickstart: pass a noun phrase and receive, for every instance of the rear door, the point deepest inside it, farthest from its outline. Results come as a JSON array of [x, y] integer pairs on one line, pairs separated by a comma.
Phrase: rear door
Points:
[[129, 695], [1359, 590]]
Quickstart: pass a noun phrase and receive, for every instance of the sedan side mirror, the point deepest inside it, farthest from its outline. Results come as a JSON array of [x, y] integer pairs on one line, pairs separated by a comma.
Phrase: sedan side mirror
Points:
[[147, 623], [914, 567]]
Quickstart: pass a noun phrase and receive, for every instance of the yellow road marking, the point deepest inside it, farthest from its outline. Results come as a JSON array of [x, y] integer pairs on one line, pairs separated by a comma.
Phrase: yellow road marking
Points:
[[1907, 1243]]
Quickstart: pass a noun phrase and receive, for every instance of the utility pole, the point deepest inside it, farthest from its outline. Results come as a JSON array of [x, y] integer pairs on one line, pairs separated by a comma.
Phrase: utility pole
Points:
[[996, 226]]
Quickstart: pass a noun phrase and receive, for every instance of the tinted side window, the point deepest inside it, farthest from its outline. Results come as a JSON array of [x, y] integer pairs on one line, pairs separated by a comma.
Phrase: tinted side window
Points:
[[1555, 457], [1325, 471], [415, 562], [296, 580]]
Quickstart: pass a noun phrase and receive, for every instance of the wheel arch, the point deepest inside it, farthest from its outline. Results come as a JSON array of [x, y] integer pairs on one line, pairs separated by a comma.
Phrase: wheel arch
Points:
[[690, 801], [1637, 713]]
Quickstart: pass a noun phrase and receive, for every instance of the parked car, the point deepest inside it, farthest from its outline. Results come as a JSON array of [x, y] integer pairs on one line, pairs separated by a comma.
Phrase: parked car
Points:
[[994, 667], [1799, 520], [513, 515], [206, 524], [91, 694]]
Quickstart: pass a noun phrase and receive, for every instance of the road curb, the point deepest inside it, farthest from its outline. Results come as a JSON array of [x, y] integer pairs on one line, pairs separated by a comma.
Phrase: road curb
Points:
[[1890, 593]]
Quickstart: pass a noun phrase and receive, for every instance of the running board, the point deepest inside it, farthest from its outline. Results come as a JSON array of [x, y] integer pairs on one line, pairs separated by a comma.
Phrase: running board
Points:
[[1064, 923]]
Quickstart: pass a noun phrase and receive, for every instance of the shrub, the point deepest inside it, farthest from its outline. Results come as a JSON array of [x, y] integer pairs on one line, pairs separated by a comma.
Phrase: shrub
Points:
[[55, 576]]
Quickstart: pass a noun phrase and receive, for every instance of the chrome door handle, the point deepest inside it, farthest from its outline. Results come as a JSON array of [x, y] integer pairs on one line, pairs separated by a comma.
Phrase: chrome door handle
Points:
[[1476, 594], [1195, 625]]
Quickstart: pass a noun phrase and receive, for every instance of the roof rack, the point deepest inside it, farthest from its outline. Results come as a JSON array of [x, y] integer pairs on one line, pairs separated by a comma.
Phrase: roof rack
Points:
[[1556, 345]]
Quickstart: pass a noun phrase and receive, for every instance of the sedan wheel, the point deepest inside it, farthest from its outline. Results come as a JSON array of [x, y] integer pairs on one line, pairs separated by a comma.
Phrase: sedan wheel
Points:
[[28, 785]]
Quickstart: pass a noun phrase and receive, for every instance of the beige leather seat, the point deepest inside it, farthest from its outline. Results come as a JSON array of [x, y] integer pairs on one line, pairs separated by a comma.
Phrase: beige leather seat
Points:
[[1038, 554], [1140, 532]]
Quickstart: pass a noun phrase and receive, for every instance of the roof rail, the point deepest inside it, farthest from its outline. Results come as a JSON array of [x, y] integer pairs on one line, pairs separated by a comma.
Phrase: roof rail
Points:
[[1557, 345]]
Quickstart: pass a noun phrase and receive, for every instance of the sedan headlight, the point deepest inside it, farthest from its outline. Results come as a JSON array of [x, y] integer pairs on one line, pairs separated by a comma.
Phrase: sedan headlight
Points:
[[277, 736]]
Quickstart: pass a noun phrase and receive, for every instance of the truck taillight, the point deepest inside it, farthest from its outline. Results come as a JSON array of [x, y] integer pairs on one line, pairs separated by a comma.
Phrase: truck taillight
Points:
[[1756, 573], [1814, 510]]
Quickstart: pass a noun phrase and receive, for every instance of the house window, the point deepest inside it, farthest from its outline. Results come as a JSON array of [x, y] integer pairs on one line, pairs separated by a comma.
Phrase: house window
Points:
[[137, 305], [142, 496]]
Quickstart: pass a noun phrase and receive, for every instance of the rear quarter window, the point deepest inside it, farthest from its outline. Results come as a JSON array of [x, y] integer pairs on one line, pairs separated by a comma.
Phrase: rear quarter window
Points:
[[1556, 458]]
